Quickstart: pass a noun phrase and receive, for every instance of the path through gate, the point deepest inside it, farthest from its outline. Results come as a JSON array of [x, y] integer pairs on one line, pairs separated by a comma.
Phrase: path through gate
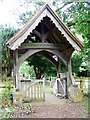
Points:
[[32, 91]]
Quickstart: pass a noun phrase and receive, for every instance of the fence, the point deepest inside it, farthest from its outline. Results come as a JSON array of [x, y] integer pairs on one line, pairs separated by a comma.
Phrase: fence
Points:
[[84, 85]]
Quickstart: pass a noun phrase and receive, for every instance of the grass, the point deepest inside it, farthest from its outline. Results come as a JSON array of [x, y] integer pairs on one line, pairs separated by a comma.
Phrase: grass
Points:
[[85, 103], [5, 103], [48, 89], [5, 113]]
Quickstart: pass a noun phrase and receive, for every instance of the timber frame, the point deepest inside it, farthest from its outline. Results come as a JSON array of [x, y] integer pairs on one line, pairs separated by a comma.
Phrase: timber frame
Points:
[[47, 35]]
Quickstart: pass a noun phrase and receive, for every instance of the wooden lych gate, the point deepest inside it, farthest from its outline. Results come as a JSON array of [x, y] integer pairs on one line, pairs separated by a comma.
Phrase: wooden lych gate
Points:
[[47, 35]]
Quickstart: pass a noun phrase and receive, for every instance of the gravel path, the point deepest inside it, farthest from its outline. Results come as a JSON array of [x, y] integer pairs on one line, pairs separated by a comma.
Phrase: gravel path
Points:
[[54, 107]]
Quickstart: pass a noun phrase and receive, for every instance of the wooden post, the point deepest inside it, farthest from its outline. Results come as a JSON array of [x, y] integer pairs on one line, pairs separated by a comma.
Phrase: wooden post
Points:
[[81, 85], [58, 67], [69, 81], [16, 69], [69, 73], [43, 88], [65, 87]]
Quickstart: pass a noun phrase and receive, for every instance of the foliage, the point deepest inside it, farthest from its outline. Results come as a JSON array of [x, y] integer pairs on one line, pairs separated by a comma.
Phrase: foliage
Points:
[[85, 103], [6, 103], [7, 97], [25, 69], [41, 66], [5, 113], [26, 16], [77, 19], [5, 34], [48, 89]]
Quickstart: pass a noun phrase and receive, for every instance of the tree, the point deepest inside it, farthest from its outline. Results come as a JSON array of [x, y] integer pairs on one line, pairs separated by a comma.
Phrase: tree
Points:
[[27, 15], [77, 18], [25, 69], [41, 66], [6, 60]]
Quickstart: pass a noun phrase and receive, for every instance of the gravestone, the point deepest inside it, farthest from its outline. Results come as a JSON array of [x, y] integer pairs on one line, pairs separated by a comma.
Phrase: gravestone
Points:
[[52, 82], [75, 94]]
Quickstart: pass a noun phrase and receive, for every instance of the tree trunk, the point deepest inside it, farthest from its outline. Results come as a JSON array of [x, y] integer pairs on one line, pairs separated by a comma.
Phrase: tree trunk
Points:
[[38, 73]]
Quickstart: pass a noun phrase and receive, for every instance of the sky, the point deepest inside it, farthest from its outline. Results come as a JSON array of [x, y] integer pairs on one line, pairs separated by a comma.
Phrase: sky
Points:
[[11, 9], [6, 8]]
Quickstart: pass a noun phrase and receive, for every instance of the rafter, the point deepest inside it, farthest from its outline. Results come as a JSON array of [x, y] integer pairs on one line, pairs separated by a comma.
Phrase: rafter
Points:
[[44, 36], [37, 33]]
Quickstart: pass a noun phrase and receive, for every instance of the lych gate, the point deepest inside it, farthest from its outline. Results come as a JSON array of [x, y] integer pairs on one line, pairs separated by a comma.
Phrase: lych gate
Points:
[[47, 35]]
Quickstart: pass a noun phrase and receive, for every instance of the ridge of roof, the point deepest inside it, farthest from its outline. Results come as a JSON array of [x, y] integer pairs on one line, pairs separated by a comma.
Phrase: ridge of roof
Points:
[[32, 20]]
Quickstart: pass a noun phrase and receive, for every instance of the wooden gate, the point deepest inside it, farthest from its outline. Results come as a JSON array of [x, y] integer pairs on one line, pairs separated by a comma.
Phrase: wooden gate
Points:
[[60, 87], [32, 91]]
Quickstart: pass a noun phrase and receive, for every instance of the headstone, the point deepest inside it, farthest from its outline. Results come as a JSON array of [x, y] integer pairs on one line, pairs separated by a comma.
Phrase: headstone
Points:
[[52, 82], [75, 94]]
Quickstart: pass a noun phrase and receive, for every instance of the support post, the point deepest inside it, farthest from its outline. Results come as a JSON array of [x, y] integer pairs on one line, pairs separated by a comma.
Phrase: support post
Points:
[[43, 88], [58, 67], [16, 70], [65, 87], [72, 80], [69, 73]]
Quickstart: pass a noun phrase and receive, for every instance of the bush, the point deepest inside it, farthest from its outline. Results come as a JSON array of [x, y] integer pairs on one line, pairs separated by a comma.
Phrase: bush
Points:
[[6, 103], [7, 97]]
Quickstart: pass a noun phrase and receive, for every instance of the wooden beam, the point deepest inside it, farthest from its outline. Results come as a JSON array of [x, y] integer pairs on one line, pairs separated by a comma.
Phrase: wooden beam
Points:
[[60, 55], [50, 57], [53, 40], [56, 37], [42, 32], [58, 66], [68, 52], [43, 35], [37, 33], [33, 51], [40, 46], [48, 24]]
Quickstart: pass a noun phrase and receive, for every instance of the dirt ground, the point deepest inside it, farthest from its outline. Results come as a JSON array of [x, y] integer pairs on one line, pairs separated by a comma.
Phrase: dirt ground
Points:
[[52, 107]]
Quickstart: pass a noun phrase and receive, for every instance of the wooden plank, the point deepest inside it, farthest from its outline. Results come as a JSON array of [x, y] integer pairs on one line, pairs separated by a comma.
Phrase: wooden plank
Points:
[[31, 93], [34, 88], [37, 33], [37, 91], [40, 85], [43, 91], [40, 45], [34, 92]]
